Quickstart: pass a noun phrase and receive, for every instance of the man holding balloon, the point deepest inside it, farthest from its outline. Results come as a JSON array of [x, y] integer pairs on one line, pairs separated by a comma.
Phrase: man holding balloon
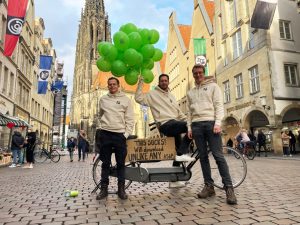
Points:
[[167, 114]]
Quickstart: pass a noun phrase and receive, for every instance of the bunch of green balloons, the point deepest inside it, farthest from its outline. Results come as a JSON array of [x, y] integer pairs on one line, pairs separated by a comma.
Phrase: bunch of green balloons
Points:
[[131, 54]]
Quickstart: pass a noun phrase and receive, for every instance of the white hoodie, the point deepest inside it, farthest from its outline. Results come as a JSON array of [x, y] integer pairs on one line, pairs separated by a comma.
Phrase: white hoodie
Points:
[[163, 104], [205, 103], [116, 113]]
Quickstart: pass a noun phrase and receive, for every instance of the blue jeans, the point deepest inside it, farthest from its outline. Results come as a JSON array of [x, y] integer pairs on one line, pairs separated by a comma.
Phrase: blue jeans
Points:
[[17, 154], [203, 135]]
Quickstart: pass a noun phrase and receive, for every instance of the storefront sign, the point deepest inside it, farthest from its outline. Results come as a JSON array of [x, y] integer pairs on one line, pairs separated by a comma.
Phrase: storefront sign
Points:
[[151, 149], [237, 107]]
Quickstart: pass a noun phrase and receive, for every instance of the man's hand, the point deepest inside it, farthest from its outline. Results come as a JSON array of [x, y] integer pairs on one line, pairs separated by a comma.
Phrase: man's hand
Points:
[[217, 129], [190, 135]]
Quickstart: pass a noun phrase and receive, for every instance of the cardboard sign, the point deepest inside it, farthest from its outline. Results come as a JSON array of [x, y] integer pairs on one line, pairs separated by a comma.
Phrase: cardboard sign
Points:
[[151, 149]]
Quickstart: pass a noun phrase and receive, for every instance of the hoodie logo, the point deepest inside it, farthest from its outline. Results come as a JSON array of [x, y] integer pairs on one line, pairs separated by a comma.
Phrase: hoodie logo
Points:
[[118, 102], [205, 89]]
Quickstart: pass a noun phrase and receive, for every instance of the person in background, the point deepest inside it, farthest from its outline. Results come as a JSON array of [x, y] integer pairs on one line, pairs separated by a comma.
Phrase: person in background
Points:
[[243, 136], [261, 140], [82, 145], [285, 142], [17, 143], [292, 142], [229, 143], [30, 144], [298, 138], [71, 148]]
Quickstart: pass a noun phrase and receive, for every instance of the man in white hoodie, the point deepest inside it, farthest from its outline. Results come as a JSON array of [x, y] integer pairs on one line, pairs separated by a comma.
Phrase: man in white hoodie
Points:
[[116, 122], [166, 113], [205, 113]]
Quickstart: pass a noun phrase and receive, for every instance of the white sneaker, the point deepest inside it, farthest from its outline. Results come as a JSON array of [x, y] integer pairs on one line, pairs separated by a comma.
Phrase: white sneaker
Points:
[[30, 166], [18, 165], [176, 184], [290, 155], [184, 158], [12, 166]]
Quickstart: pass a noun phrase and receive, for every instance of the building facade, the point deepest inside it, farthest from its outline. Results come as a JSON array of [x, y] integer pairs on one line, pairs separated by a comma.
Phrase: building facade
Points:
[[19, 77], [258, 70]]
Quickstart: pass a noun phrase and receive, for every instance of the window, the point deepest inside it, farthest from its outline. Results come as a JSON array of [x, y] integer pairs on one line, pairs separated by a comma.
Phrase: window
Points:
[[285, 29], [251, 38], [3, 29], [237, 44], [232, 10], [291, 75], [239, 86], [254, 80], [11, 84], [226, 91], [5, 83], [224, 47]]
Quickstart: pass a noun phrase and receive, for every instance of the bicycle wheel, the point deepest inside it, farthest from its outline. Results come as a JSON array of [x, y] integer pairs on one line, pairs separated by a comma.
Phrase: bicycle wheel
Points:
[[251, 153], [40, 156], [113, 180], [55, 156], [236, 164]]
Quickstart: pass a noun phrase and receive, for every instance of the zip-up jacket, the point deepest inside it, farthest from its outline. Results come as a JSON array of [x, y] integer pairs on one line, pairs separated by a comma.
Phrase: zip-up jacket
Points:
[[163, 104], [116, 113], [204, 103]]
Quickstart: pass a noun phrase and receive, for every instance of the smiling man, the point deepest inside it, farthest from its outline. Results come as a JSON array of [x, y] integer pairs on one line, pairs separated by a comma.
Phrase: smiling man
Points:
[[205, 113], [116, 122]]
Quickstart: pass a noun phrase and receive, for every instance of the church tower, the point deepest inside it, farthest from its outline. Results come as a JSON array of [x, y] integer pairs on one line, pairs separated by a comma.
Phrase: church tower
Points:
[[93, 28]]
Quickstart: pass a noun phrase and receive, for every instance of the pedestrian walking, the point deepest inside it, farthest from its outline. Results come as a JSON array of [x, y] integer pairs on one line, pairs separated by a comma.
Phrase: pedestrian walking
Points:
[[117, 122], [261, 140], [30, 146], [205, 113], [285, 142], [17, 144], [71, 148], [292, 142], [82, 145]]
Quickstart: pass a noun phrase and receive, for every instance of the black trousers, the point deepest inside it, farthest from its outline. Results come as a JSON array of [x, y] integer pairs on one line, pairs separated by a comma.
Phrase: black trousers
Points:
[[29, 154], [112, 142]]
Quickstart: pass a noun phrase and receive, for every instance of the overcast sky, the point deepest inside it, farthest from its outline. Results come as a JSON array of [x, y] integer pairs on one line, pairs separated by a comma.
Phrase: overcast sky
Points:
[[62, 17]]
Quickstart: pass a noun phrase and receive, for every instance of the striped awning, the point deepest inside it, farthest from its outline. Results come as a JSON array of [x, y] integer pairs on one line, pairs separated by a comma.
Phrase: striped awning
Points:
[[5, 119]]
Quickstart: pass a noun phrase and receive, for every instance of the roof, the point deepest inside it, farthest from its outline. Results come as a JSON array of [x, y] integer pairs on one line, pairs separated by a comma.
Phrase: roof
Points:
[[162, 63], [210, 8], [185, 31], [101, 82]]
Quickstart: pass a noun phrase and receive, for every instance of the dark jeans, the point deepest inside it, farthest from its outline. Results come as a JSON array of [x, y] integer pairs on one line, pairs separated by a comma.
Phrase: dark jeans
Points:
[[81, 150], [286, 150], [293, 147], [112, 142], [203, 134], [97, 141], [262, 145], [174, 128]]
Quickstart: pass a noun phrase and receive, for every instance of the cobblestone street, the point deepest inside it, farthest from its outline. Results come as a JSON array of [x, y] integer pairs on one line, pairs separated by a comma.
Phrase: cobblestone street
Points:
[[269, 195]]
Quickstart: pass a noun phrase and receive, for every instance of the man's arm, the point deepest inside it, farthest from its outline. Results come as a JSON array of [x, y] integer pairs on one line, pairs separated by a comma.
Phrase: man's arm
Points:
[[218, 105], [189, 113], [140, 97], [129, 119]]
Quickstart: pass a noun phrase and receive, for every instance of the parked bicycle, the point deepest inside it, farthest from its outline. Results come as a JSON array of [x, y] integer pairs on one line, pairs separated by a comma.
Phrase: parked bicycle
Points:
[[41, 155], [248, 150], [135, 172]]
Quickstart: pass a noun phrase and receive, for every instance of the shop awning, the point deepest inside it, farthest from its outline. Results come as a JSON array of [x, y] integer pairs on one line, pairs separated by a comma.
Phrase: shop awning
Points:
[[5, 119]]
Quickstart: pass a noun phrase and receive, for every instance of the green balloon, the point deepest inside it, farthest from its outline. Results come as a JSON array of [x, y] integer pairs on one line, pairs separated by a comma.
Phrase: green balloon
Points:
[[103, 65], [120, 56], [147, 51], [135, 40], [112, 54], [131, 77], [131, 57], [118, 68], [121, 40], [157, 55], [105, 48], [147, 75], [140, 58], [128, 28], [154, 36], [146, 36], [148, 64]]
